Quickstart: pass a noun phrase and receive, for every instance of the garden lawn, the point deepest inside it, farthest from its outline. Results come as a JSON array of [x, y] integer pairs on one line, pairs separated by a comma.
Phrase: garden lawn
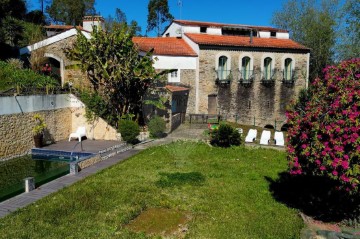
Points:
[[224, 193]]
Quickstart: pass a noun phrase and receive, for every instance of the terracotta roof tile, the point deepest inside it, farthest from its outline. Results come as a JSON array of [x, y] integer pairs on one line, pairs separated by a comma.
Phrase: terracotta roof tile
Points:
[[168, 46], [174, 88], [218, 40], [219, 25]]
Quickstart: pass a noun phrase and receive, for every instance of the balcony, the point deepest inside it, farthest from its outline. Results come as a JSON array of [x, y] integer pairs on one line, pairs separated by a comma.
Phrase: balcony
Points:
[[246, 77], [223, 76], [288, 77], [268, 77]]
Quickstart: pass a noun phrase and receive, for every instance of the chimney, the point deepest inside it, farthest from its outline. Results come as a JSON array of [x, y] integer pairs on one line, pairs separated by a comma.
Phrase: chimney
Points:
[[90, 21]]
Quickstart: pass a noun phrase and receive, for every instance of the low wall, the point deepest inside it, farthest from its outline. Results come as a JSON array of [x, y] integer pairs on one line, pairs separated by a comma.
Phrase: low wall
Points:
[[16, 135], [62, 114]]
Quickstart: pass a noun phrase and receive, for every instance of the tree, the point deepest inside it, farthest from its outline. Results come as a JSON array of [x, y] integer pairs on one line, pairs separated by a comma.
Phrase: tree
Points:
[[349, 46], [312, 23], [115, 70], [158, 14], [70, 12], [12, 8], [324, 136]]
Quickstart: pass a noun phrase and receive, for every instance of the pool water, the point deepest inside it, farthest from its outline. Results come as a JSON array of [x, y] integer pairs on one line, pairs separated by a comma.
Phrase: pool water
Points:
[[14, 171]]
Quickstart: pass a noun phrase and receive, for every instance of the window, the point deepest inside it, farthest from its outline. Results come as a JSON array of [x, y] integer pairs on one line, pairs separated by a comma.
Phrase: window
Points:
[[174, 76], [273, 34], [203, 29], [249, 104], [167, 35], [267, 68], [245, 68], [288, 69], [223, 71]]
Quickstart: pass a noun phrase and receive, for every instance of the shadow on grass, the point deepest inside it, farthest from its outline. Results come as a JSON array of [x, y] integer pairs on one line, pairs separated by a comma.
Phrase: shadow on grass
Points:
[[180, 179], [315, 196]]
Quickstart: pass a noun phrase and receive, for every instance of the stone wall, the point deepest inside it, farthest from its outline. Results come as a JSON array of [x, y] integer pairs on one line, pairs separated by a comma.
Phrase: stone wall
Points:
[[188, 79], [16, 135], [254, 103], [96, 130]]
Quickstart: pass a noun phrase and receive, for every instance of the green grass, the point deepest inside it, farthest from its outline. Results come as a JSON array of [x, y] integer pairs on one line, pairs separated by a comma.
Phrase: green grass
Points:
[[223, 191]]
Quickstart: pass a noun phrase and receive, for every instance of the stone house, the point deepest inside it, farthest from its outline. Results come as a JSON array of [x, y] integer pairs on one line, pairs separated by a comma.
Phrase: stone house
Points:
[[60, 37], [247, 74]]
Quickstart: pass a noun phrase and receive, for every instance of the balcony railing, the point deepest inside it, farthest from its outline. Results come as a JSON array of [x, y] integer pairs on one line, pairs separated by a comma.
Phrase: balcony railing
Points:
[[223, 76], [288, 77], [246, 77], [268, 77]]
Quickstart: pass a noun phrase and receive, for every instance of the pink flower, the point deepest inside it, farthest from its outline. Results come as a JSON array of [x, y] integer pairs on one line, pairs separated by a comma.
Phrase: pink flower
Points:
[[304, 146], [322, 168], [344, 178], [345, 164], [317, 162], [335, 173]]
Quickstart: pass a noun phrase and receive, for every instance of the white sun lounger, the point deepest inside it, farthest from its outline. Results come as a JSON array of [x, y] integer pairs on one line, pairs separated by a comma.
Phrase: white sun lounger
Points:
[[279, 138], [265, 137], [80, 132], [251, 136]]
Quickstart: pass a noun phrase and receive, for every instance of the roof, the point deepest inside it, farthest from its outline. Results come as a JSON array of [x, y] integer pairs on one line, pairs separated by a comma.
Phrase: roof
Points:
[[219, 40], [174, 88], [63, 27], [218, 25], [167, 46]]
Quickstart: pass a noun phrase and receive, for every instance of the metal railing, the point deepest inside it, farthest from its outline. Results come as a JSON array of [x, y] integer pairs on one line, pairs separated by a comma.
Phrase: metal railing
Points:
[[246, 76], [223, 76], [289, 77]]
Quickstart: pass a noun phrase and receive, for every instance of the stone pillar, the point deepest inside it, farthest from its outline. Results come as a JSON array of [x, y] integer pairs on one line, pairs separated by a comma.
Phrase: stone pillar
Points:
[[29, 184], [74, 168]]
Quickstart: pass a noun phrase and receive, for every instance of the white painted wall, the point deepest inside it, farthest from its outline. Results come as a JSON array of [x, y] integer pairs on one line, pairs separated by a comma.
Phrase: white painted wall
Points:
[[173, 30], [264, 34], [282, 35], [33, 103], [175, 62], [88, 25], [51, 40], [214, 31]]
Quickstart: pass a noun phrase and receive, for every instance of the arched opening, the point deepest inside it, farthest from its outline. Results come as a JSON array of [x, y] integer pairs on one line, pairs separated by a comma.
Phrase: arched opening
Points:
[[288, 71], [56, 65], [269, 126], [223, 71], [267, 68], [245, 68], [285, 127]]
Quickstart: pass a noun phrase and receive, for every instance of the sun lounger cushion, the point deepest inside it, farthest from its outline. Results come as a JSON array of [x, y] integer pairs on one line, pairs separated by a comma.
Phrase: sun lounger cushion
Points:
[[251, 136], [265, 137], [80, 132]]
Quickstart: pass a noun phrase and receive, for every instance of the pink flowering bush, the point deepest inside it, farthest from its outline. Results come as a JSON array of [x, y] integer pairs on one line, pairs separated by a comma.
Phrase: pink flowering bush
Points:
[[324, 137]]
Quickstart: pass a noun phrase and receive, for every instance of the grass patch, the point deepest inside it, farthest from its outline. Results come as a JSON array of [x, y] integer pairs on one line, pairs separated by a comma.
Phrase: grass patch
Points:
[[226, 192], [159, 221]]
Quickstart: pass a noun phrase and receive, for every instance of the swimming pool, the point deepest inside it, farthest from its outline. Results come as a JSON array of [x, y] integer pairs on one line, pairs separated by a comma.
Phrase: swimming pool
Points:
[[59, 156]]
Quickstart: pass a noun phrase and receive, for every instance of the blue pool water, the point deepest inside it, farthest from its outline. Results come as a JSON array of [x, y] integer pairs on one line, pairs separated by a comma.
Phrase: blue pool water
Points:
[[59, 156]]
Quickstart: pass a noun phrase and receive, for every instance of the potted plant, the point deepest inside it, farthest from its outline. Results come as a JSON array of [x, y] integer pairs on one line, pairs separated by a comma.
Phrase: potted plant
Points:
[[39, 130]]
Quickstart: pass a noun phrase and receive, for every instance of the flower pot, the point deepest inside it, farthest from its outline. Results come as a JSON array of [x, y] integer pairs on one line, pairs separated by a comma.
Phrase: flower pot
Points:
[[38, 140]]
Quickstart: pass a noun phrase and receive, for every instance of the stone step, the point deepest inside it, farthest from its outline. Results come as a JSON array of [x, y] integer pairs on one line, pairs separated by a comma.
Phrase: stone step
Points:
[[114, 150]]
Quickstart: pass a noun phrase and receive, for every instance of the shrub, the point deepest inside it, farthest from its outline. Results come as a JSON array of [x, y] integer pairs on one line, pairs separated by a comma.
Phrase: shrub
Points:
[[129, 131], [324, 137], [157, 127], [225, 136]]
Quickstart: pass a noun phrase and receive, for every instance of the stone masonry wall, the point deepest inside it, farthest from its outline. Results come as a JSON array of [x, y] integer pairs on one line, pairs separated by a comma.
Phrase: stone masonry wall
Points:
[[188, 79], [255, 103], [16, 135]]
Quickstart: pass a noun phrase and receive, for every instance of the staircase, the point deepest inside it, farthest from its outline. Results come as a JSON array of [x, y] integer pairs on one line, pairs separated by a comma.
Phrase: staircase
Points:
[[114, 150]]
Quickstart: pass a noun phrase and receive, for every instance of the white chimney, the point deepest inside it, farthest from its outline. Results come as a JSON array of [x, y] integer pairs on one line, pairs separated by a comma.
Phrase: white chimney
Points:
[[90, 21]]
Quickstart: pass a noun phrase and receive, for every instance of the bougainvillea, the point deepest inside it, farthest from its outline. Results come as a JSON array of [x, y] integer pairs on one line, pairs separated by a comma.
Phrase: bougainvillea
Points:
[[324, 137]]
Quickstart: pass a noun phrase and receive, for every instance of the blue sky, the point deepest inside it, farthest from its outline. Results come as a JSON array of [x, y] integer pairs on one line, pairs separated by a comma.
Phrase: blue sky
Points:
[[252, 12]]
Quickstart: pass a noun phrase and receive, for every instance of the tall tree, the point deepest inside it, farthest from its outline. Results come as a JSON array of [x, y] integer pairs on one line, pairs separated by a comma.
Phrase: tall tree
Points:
[[314, 24], [119, 21], [118, 75], [349, 46], [70, 12], [158, 14]]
